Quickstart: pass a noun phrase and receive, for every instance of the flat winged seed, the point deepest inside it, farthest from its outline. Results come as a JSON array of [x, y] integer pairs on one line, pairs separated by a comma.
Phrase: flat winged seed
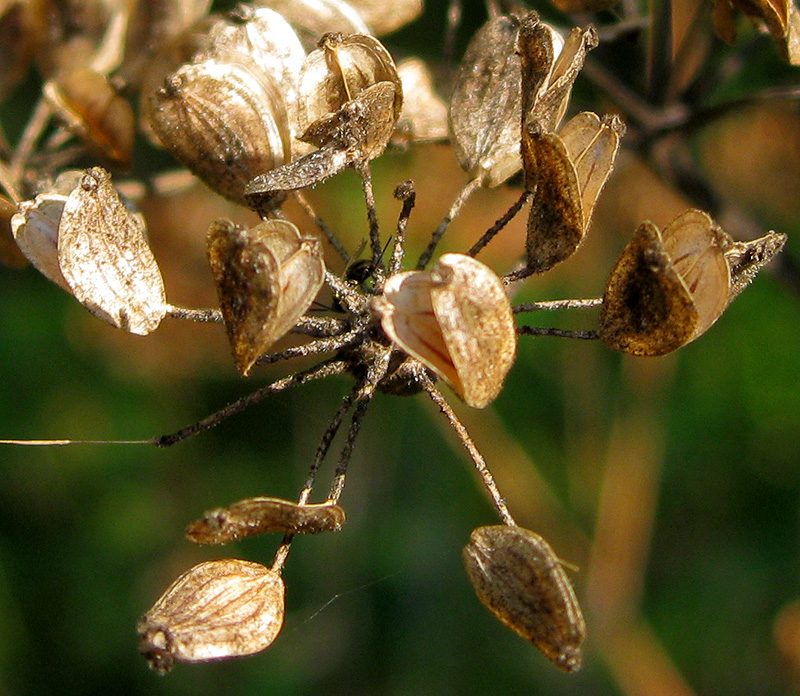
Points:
[[217, 609], [223, 121], [94, 111], [456, 319], [262, 515], [313, 18], [520, 580], [267, 277], [105, 258], [647, 309], [485, 107]]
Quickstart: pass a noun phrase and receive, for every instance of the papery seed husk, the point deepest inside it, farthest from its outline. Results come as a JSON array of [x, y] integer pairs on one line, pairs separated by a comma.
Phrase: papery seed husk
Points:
[[538, 45], [746, 259], [339, 70], [520, 580], [267, 277], [217, 609], [555, 221], [313, 18], [456, 319], [105, 258], [260, 515], [224, 122], [647, 309], [95, 112], [381, 21], [592, 145], [35, 226], [485, 106], [697, 245]]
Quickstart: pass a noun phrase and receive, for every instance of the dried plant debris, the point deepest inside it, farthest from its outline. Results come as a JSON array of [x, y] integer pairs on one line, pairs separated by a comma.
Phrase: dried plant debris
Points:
[[520, 580], [669, 288], [566, 172], [105, 258], [267, 277], [253, 516], [456, 319], [217, 609], [224, 122]]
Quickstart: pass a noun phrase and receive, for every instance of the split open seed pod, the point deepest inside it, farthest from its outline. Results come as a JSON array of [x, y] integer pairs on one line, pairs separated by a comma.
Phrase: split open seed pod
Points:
[[455, 319], [520, 580], [566, 171], [105, 258], [217, 609], [667, 288], [339, 70], [267, 276], [223, 121], [94, 111], [253, 516]]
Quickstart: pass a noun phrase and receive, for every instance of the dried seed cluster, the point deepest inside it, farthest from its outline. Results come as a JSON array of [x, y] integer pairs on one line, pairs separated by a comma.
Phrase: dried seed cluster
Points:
[[279, 96]]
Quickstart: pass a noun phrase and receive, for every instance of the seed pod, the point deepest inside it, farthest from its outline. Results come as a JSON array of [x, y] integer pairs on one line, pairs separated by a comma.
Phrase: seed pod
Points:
[[455, 319], [105, 258], [566, 171], [667, 288], [267, 277], [35, 226], [312, 18], [423, 111], [374, 13], [217, 609], [485, 107], [339, 70], [223, 122], [253, 516], [520, 580], [94, 111]]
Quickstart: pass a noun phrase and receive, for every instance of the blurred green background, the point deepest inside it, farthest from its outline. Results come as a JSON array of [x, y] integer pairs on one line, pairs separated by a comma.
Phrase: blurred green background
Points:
[[672, 483]]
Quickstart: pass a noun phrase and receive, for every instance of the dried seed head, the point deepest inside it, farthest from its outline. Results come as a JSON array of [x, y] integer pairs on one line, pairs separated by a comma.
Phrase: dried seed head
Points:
[[312, 18], [520, 580], [339, 70], [667, 288], [456, 319], [423, 111], [94, 111], [105, 258], [267, 277], [217, 609], [485, 107], [566, 171], [35, 226], [260, 515], [224, 122]]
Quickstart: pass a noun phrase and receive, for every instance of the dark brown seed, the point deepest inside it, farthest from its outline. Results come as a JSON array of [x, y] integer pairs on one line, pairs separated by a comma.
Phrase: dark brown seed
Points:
[[520, 580], [261, 515]]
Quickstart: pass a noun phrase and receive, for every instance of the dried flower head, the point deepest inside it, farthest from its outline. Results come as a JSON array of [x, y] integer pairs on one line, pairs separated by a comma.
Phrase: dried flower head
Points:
[[520, 580], [217, 609]]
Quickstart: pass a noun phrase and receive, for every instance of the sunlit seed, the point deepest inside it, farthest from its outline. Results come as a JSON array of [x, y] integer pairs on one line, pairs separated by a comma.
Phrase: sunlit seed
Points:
[[520, 580], [313, 18], [424, 112], [217, 609], [374, 13]]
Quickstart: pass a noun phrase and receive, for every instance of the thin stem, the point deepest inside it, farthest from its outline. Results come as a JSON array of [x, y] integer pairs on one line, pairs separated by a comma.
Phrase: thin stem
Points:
[[27, 142], [372, 217], [404, 192], [330, 235], [202, 316], [454, 11], [500, 224], [354, 301], [558, 304], [590, 335], [471, 186], [321, 345], [9, 184], [517, 275], [320, 327], [324, 369], [477, 458]]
